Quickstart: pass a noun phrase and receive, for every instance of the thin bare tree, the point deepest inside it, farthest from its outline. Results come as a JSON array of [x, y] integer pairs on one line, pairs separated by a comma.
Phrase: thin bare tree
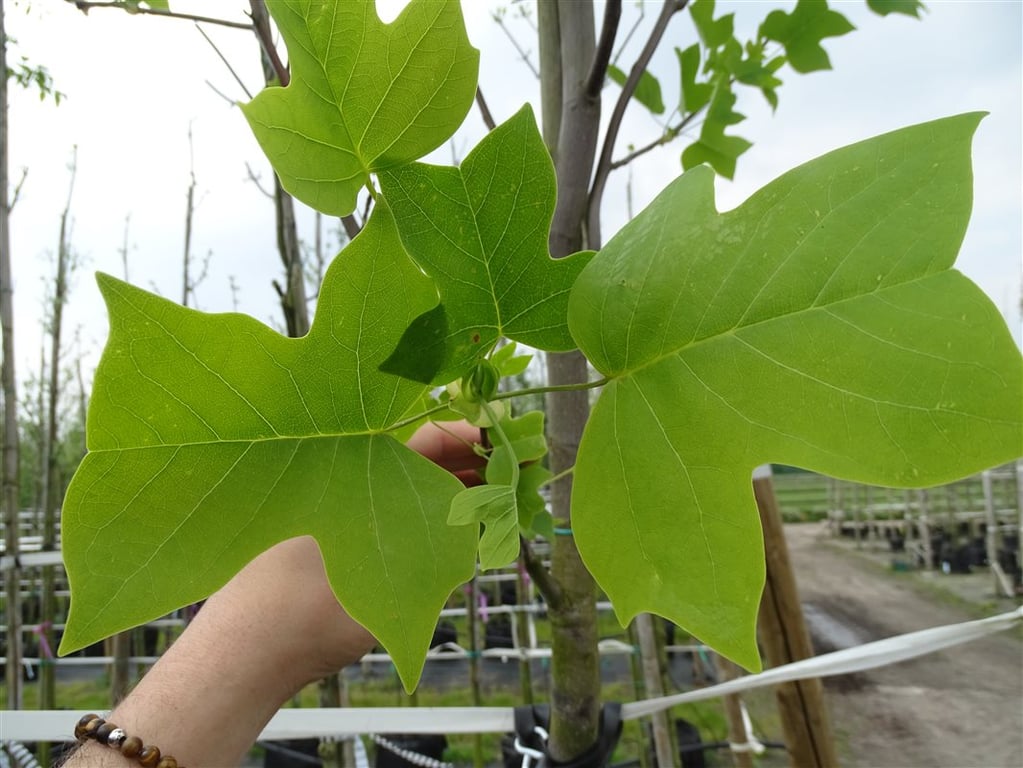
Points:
[[12, 576]]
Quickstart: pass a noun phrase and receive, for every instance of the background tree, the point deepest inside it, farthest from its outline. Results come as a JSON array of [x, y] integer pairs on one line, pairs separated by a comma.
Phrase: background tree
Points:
[[26, 75]]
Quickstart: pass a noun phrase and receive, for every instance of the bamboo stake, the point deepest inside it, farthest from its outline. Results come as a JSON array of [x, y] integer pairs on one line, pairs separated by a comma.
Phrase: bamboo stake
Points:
[[639, 692], [654, 689], [472, 601]]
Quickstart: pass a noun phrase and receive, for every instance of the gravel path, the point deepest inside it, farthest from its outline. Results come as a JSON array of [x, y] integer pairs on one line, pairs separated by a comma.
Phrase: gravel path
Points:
[[960, 707]]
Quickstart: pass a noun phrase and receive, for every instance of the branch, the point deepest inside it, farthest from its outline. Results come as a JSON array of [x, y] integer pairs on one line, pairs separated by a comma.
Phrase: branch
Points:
[[16, 193], [254, 178], [605, 45], [84, 6], [261, 26], [541, 576], [628, 35], [351, 226], [669, 135], [524, 54], [488, 119], [669, 9], [227, 64], [221, 94]]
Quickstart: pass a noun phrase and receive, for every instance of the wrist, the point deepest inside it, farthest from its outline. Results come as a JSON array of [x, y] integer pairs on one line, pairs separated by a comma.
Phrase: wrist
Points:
[[280, 615]]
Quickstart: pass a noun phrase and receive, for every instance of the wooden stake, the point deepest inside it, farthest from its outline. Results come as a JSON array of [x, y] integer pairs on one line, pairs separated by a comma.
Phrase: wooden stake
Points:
[[119, 647], [733, 711], [783, 636]]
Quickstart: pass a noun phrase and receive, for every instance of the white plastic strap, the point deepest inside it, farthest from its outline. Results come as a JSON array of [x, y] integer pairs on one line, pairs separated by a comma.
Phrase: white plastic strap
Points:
[[862, 657], [57, 725]]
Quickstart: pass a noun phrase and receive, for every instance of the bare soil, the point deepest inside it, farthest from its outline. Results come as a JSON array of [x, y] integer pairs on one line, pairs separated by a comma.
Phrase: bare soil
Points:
[[960, 707]]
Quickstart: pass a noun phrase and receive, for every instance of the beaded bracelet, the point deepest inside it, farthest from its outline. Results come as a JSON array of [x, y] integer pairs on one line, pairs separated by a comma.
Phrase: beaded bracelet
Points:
[[96, 728]]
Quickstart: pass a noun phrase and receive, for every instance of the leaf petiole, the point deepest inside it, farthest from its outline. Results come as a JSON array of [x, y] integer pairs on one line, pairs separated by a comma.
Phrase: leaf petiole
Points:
[[554, 478], [503, 441], [554, 388]]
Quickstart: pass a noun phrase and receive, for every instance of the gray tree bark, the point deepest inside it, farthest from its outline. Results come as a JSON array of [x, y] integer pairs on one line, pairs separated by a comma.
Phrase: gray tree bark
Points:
[[567, 45]]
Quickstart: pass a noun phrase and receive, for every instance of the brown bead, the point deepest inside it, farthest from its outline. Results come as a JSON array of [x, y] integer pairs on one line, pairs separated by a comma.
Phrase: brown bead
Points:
[[89, 731], [131, 747], [167, 762], [84, 721], [149, 756], [104, 731]]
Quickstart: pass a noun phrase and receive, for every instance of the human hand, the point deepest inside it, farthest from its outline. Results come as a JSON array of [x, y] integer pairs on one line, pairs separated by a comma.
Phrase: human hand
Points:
[[275, 627], [286, 586]]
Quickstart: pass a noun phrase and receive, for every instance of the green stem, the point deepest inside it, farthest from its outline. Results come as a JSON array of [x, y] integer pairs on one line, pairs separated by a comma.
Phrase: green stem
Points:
[[554, 388], [418, 417], [504, 396], [503, 441]]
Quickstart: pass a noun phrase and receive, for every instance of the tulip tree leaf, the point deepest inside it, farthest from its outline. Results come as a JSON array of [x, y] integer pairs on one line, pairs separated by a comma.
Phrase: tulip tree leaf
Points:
[[817, 325], [906, 7], [211, 438], [363, 96], [718, 150], [495, 507], [694, 95], [648, 90], [713, 32], [801, 32], [480, 231]]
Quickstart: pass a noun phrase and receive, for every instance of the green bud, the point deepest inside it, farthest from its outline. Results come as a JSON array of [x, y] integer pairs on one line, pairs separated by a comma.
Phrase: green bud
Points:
[[480, 384]]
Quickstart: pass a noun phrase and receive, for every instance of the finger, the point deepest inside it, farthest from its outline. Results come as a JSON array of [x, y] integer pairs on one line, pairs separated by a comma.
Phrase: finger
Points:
[[469, 477], [450, 445]]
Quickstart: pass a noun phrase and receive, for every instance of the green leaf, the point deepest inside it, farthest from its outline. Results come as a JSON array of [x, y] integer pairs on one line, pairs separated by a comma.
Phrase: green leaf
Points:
[[533, 516], [480, 231], [694, 95], [713, 32], [753, 71], [212, 437], [526, 443], [364, 95], [907, 7], [713, 147], [648, 90], [817, 325], [802, 30], [494, 506], [507, 362]]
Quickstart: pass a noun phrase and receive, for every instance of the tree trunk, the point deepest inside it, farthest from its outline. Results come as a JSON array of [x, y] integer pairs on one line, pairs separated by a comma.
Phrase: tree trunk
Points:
[[51, 475], [567, 50], [292, 294], [12, 576], [186, 277]]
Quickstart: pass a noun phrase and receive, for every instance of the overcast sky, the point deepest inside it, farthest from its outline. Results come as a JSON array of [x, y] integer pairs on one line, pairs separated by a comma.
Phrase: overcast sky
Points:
[[134, 85]]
